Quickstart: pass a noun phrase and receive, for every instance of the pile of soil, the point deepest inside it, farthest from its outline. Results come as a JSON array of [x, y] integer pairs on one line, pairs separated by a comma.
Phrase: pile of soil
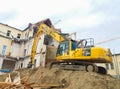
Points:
[[67, 79]]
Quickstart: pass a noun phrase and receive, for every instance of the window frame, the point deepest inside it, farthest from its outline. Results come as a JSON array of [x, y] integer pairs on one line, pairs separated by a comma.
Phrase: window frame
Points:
[[8, 33], [18, 36], [4, 47]]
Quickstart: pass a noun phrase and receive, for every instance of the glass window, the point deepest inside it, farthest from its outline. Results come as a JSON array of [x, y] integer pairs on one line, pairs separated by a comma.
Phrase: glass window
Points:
[[63, 48], [74, 45], [8, 33], [4, 49], [87, 52], [18, 36]]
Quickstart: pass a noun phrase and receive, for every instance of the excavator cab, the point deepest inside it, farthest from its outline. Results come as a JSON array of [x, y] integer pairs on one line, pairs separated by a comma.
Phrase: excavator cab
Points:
[[66, 48], [63, 48]]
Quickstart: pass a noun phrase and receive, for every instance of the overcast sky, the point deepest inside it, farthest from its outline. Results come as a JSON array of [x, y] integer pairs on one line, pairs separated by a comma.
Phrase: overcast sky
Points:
[[98, 19]]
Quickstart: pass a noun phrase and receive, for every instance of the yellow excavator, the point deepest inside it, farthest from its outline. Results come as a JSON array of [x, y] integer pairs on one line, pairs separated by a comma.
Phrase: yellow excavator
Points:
[[71, 54]]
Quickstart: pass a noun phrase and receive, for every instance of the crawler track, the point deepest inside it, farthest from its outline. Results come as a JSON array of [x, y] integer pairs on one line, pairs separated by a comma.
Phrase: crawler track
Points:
[[79, 66]]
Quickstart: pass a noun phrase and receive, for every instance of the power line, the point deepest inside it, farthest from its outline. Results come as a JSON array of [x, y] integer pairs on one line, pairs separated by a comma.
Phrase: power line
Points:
[[57, 22], [105, 41]]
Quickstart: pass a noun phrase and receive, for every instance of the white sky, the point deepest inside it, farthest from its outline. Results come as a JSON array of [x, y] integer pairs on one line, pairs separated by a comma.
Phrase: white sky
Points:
[[98, 19]]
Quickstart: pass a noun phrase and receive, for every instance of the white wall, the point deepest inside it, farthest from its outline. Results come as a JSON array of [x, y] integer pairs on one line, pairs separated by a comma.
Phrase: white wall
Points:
[[15, 50], [21, 61], [41, 50], [22, 49], [28, 47], [40, 44], [37, 58], [40, 58]]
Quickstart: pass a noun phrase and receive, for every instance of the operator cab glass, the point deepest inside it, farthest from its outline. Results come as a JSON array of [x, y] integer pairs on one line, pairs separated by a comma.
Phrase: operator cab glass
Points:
[[63, 48], [74, 45]]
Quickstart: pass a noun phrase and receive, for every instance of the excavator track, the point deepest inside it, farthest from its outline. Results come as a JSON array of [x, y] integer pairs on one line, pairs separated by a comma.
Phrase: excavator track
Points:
[[79, 66]]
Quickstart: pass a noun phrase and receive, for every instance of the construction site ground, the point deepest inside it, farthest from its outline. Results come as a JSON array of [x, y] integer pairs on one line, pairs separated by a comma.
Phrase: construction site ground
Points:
[[45, 78]]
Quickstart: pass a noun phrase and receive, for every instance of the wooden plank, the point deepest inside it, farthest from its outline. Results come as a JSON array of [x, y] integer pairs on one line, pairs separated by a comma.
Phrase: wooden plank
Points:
[[48, 86], [8, 78], [6, 85]]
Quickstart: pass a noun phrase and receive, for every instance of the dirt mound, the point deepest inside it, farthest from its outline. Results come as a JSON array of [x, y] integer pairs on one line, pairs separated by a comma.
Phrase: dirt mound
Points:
[[71, 79], [66, 79]]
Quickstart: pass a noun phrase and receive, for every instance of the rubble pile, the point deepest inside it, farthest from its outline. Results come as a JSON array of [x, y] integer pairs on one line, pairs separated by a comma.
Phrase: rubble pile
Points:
[[45, 78]]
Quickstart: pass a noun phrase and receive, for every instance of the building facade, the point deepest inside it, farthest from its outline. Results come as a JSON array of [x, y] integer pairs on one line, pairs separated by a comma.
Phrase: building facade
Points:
[[114, 69], [7, 35]]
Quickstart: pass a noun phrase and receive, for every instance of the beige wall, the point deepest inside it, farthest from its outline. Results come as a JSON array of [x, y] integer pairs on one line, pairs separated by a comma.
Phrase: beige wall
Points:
[[14, 31], [7, 42]]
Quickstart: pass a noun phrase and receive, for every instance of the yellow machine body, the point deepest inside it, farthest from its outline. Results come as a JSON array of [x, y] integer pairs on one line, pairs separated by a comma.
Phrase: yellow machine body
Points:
[[87, 54]]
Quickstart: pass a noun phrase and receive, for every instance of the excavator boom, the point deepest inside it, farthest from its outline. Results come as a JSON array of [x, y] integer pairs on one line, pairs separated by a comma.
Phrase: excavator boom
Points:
[[43, 28]]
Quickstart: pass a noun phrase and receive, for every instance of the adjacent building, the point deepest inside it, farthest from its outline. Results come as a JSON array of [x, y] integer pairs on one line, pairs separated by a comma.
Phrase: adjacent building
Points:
[[16, 45], [114, 69], [7, 35]]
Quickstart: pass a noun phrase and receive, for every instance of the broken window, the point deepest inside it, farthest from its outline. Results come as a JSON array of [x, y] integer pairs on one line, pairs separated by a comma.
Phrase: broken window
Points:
[[18, 36], [7, 64], [47, 39], [112, 66], [107, 66], [21, 65], [35, 29], [8, 33]]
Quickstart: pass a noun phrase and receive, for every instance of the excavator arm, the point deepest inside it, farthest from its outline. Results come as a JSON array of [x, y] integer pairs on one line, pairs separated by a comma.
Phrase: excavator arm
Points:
[[43, 28]]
